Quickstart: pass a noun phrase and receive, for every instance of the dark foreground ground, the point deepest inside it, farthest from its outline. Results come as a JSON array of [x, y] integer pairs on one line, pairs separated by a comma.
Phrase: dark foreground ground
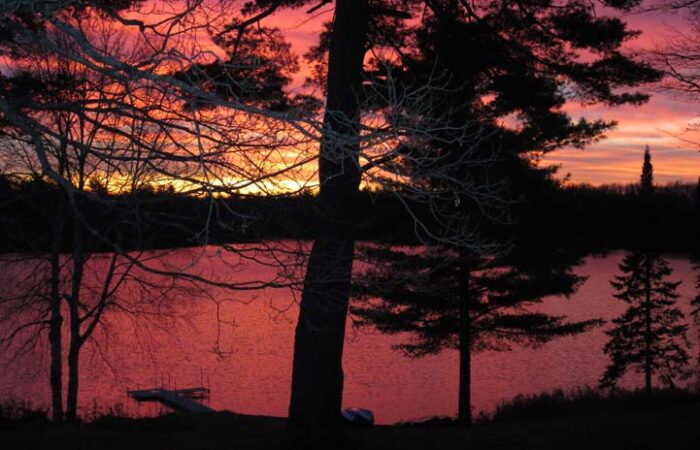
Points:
[[665, 425]]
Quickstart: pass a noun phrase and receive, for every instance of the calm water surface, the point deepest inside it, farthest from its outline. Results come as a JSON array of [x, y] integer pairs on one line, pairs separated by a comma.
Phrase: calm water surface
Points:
[[244, 353]]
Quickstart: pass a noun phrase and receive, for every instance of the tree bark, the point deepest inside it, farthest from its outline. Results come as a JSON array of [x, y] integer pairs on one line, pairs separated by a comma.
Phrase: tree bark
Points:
[[464, 411], [74, 321], [55, 324], [317, 379], [647, 331], [73, 372], [317, 373]]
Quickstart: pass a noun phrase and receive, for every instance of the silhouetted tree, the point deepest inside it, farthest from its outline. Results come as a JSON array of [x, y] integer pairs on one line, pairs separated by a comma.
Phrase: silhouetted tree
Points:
[[650, 337], [493, 46], [75, 276], [678, 57], [70, 152], [647, 177], [514, 82], [450, 301], [367, 127], [214, 126]]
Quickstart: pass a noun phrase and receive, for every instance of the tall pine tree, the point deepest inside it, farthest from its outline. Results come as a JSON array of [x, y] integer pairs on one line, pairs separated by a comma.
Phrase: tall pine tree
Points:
[[646, 186], [651, 336]]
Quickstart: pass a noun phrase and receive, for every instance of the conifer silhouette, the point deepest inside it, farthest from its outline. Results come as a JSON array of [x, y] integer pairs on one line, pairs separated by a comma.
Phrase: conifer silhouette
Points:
[[651, 336]]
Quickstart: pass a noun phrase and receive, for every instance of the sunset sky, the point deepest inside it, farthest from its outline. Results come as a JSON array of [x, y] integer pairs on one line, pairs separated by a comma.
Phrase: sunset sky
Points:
[[662, 123]]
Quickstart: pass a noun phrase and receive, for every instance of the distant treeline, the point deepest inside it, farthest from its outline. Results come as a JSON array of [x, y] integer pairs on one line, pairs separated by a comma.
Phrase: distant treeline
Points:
[[591, 219], [577, 219]]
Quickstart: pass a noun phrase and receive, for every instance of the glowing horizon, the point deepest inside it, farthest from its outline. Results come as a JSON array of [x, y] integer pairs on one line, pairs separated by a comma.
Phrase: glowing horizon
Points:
[[661, 123]]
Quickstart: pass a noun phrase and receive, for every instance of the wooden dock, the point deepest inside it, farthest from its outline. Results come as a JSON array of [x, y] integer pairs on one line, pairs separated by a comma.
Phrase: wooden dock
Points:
[[177, 399]]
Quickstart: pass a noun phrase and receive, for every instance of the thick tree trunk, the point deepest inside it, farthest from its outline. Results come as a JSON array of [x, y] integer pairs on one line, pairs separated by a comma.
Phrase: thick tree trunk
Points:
[[464, 411], [55, 324], [73, 361], [317, 379], [648, 369], [74, 317], [317, 374]]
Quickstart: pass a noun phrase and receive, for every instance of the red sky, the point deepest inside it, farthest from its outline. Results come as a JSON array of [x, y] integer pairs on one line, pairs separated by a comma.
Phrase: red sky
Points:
[[616, 159], [662, 124]]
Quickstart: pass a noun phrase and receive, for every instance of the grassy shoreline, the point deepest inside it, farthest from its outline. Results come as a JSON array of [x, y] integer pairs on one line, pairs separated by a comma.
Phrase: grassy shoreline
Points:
[[586, 419]]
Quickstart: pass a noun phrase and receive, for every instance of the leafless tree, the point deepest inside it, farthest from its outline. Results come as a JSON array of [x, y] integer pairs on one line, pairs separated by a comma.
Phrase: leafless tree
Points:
[[678, 57], [179, 101], [78, 135], [86, 283]]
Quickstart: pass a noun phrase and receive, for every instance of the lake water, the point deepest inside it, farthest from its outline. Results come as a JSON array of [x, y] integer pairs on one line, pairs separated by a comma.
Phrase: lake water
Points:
[[244, 352]]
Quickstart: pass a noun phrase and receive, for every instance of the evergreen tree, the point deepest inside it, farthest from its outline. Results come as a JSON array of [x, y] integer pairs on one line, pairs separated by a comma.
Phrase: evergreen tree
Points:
[[523, 56], [647, 178], [463, 300], [448, 300], [650, 337]]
